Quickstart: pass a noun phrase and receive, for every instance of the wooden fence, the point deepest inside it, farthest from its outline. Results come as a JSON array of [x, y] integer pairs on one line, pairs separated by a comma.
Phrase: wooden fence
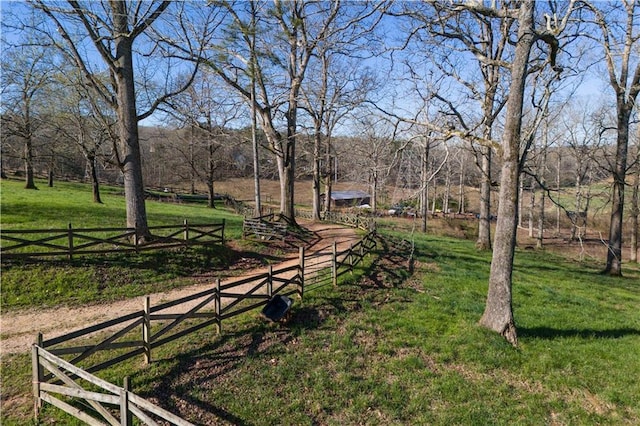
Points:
[[363, 222], [72, 242], [138, 333], [264, 227], [113, 404], [327, 267]]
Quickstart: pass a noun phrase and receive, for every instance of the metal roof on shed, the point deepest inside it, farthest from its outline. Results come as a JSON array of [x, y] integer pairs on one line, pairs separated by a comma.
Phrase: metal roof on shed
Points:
[[348, 195]]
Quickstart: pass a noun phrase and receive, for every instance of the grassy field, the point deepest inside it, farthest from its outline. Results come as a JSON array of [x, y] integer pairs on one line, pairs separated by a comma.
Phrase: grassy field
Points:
[[386, 347], [91, 279]]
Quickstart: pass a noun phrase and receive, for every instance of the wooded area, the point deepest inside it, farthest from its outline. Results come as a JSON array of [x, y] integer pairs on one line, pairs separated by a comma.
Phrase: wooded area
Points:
[[532, 99]]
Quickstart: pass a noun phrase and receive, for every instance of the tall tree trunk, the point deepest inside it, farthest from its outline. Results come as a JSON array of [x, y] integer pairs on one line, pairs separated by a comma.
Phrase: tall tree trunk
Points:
[[447, 192], [424, 184], [128, 124], [254, 119], [614, 252], [635, 212], [461, 190], [543, 183], [28, 164], [317, 140], [289, 181], [498, 314], [635, 205], [532, 206], [520, 202], [211, 166], [484, 224], [95, 183], [558, 191], [211, 195], [256, 168], [540, 237], [210, 174], [289, 163], [374, 190], [328, 178]]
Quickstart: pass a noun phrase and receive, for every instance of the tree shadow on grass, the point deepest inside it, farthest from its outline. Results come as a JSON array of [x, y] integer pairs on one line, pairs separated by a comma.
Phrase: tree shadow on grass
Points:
[[554, 333], [185, 389]]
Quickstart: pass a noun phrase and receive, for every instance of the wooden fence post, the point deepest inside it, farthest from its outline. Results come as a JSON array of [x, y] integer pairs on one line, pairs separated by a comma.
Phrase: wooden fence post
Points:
[[270, 282], [146, 330], [334, 265], [186, 232], [126, 418], [222, 233], [301, 272], [37, 375], [217, 304], [70, 237], [351, 262]]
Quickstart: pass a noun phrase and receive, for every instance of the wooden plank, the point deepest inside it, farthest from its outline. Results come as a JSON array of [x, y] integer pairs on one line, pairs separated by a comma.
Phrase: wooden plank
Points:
[[73, 411], [59, 362], [49, 365], [43, 242], [107, 341], [263, 277], [182, 300], [239, 311], [279, 289], [169, 317], [182, 317], [147, 420], [286, 269], [81, 393], [185, 332], [116, 360], [242, 296], [80, 349], [160, 412], [92, 329], [246, 295]]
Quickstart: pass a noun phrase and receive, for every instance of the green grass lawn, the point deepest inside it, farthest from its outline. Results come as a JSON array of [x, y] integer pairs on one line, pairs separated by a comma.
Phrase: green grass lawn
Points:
[[386, 348], [66, 202], [93, 278]]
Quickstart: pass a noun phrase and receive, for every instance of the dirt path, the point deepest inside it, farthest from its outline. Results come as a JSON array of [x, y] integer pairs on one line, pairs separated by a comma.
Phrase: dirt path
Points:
[[19, 329]]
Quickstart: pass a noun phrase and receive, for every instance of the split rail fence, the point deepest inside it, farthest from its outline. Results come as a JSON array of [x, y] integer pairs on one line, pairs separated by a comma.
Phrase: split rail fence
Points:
[[63, 366], [72, 242], [362, 222], [264, 227]]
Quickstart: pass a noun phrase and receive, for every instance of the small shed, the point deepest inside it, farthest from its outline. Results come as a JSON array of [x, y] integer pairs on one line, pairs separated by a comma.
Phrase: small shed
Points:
[[349, 198]]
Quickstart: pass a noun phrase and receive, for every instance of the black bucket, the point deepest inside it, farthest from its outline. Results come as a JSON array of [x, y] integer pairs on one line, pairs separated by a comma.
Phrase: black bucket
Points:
[[277, 307]]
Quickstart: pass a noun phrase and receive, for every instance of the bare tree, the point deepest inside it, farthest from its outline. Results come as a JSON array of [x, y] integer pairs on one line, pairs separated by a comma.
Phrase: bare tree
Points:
[[335, 87], [26, 73], [454, 33], [373, 155], [205, 116], [619, 40], [112, 29], [583, 136], [85, 120], [635, 202], [299, 27], [498, 314]]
